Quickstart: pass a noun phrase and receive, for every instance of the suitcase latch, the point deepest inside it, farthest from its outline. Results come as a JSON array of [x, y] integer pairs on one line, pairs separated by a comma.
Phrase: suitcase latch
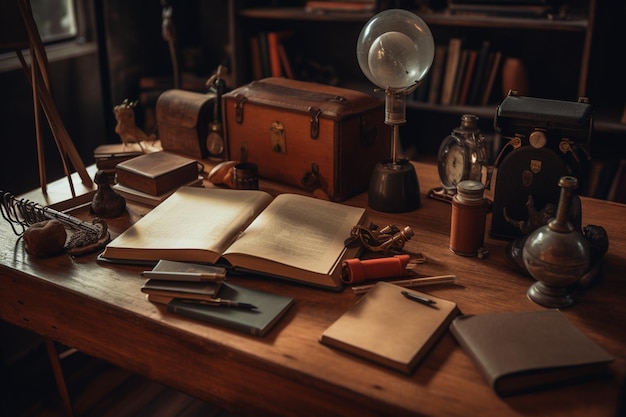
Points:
[[277, 137], [239, 100], [315, 122]]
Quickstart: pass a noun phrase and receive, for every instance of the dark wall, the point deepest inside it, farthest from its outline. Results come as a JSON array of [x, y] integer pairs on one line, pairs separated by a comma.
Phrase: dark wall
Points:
[[75, 83], [127, 44]]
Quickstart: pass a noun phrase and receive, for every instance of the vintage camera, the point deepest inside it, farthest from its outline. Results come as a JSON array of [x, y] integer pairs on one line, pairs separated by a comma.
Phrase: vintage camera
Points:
[[544, 140]]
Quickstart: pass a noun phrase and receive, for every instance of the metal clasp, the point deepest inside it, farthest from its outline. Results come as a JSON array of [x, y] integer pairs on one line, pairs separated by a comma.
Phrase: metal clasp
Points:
[[239, 100], [315, 122]]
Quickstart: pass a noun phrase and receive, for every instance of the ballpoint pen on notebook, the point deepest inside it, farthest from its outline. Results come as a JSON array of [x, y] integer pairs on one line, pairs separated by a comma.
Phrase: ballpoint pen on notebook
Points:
[[221, 302], [419, 299], [410, 283]]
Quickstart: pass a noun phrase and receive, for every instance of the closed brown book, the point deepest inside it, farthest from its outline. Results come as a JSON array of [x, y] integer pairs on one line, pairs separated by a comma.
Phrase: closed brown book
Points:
[[156, 173], [389, 328], [524, 351]]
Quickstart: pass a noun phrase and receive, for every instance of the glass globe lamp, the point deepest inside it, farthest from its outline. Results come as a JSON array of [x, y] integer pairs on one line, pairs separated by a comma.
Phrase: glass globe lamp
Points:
[[395, 50]]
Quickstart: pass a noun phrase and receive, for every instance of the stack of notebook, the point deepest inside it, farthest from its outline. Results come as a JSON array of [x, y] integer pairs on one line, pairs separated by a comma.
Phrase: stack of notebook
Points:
[[198, 291]]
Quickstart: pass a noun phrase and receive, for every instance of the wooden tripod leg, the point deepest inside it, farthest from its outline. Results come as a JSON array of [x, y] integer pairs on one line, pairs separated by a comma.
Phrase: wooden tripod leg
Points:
[[40, 149], [59, 378]]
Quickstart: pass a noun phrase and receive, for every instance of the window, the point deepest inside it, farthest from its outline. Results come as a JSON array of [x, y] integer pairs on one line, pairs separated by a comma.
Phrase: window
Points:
[[56, 19]]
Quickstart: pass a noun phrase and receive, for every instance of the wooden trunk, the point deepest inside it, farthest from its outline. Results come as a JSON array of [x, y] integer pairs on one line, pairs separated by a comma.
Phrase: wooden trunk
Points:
[[305, 134]]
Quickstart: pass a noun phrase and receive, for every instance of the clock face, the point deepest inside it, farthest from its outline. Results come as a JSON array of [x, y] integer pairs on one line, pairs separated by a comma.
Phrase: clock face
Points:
[[453, 166]]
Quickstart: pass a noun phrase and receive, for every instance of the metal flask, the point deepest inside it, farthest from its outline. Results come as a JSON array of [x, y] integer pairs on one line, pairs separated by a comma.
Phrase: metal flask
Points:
[[556, 255]]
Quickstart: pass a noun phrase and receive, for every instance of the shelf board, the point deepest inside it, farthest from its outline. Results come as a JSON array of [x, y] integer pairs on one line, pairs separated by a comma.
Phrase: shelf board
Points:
[[563, 25], [440, 19], [484, 112], [298, 13]]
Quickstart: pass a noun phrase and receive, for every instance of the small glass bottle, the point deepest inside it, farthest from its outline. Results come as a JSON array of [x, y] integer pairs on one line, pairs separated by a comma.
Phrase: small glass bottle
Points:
[[469, 216]]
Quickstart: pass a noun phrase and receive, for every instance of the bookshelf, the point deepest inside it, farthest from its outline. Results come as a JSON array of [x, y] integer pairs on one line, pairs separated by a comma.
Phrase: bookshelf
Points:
[[563, 58]]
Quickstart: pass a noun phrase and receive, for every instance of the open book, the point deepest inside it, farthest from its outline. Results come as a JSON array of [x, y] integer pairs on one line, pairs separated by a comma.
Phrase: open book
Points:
[[291, 236]]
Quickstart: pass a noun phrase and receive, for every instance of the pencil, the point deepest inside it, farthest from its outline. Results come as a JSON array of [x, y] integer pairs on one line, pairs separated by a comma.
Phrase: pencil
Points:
[[410, 283]]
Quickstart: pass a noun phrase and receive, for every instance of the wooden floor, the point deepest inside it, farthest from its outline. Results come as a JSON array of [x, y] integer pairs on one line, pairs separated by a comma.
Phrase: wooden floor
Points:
[[97, 389]]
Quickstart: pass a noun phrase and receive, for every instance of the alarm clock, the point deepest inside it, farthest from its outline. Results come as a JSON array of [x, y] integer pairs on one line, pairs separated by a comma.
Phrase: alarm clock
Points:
[[462, 156]]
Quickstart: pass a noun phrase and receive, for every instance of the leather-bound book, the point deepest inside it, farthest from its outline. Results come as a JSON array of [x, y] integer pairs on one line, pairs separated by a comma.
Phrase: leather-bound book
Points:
[[156, 173]]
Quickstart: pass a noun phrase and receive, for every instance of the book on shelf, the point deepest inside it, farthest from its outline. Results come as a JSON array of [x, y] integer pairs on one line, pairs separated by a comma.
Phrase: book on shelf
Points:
[[286, 61], [468, 77], [475, 94], [157, 173], [293, 237], [269, 309], [524, 351], [185, 271], [255, 57], [437, 70], [458, 78], [186, 290], [451, 68], [274, 47], [388, 328], [494, 66], [266, 69]]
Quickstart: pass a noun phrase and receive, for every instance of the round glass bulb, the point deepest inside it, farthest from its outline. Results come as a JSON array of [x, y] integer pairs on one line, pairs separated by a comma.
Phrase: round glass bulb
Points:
[[395, 49]]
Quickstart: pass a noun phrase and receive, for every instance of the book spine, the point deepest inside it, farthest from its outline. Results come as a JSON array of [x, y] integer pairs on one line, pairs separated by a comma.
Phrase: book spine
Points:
[[467, 347], [255, 58], [452, 65], [265, 59], [437, 70], [176, 178], [467, 77], [135, 181], [475, 95], [161, 184], [273, 41], [494, 69]]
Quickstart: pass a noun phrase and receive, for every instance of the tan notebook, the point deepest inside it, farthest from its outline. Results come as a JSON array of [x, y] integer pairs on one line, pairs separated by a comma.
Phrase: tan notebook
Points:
[[386, 327], [523, 351]]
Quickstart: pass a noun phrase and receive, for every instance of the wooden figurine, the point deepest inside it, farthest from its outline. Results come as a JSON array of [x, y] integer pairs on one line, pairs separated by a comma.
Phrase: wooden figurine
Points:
[[126, 127]]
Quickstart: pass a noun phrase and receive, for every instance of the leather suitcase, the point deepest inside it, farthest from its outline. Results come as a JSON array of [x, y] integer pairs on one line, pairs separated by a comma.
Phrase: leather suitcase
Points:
[[306, 134]]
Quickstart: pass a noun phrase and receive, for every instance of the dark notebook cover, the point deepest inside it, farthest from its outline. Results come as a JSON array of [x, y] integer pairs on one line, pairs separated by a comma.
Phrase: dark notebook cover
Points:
[[270, 308], [524, 351]]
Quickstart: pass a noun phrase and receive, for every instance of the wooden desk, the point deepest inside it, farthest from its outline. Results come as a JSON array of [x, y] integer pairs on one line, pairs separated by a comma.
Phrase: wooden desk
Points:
[[100, 310]]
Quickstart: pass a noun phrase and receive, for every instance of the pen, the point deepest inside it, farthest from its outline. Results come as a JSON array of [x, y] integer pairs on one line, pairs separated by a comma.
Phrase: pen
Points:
[[220, 302], [418, 298], [410, 283]]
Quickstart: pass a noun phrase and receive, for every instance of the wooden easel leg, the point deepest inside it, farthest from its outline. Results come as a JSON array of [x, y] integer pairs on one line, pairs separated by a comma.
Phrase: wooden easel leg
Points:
[[58, 376], [40, 150], [39, 81]]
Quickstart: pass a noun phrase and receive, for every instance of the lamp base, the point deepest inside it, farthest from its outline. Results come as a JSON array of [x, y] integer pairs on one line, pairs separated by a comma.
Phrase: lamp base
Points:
[[394, 187], [551, 297]]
